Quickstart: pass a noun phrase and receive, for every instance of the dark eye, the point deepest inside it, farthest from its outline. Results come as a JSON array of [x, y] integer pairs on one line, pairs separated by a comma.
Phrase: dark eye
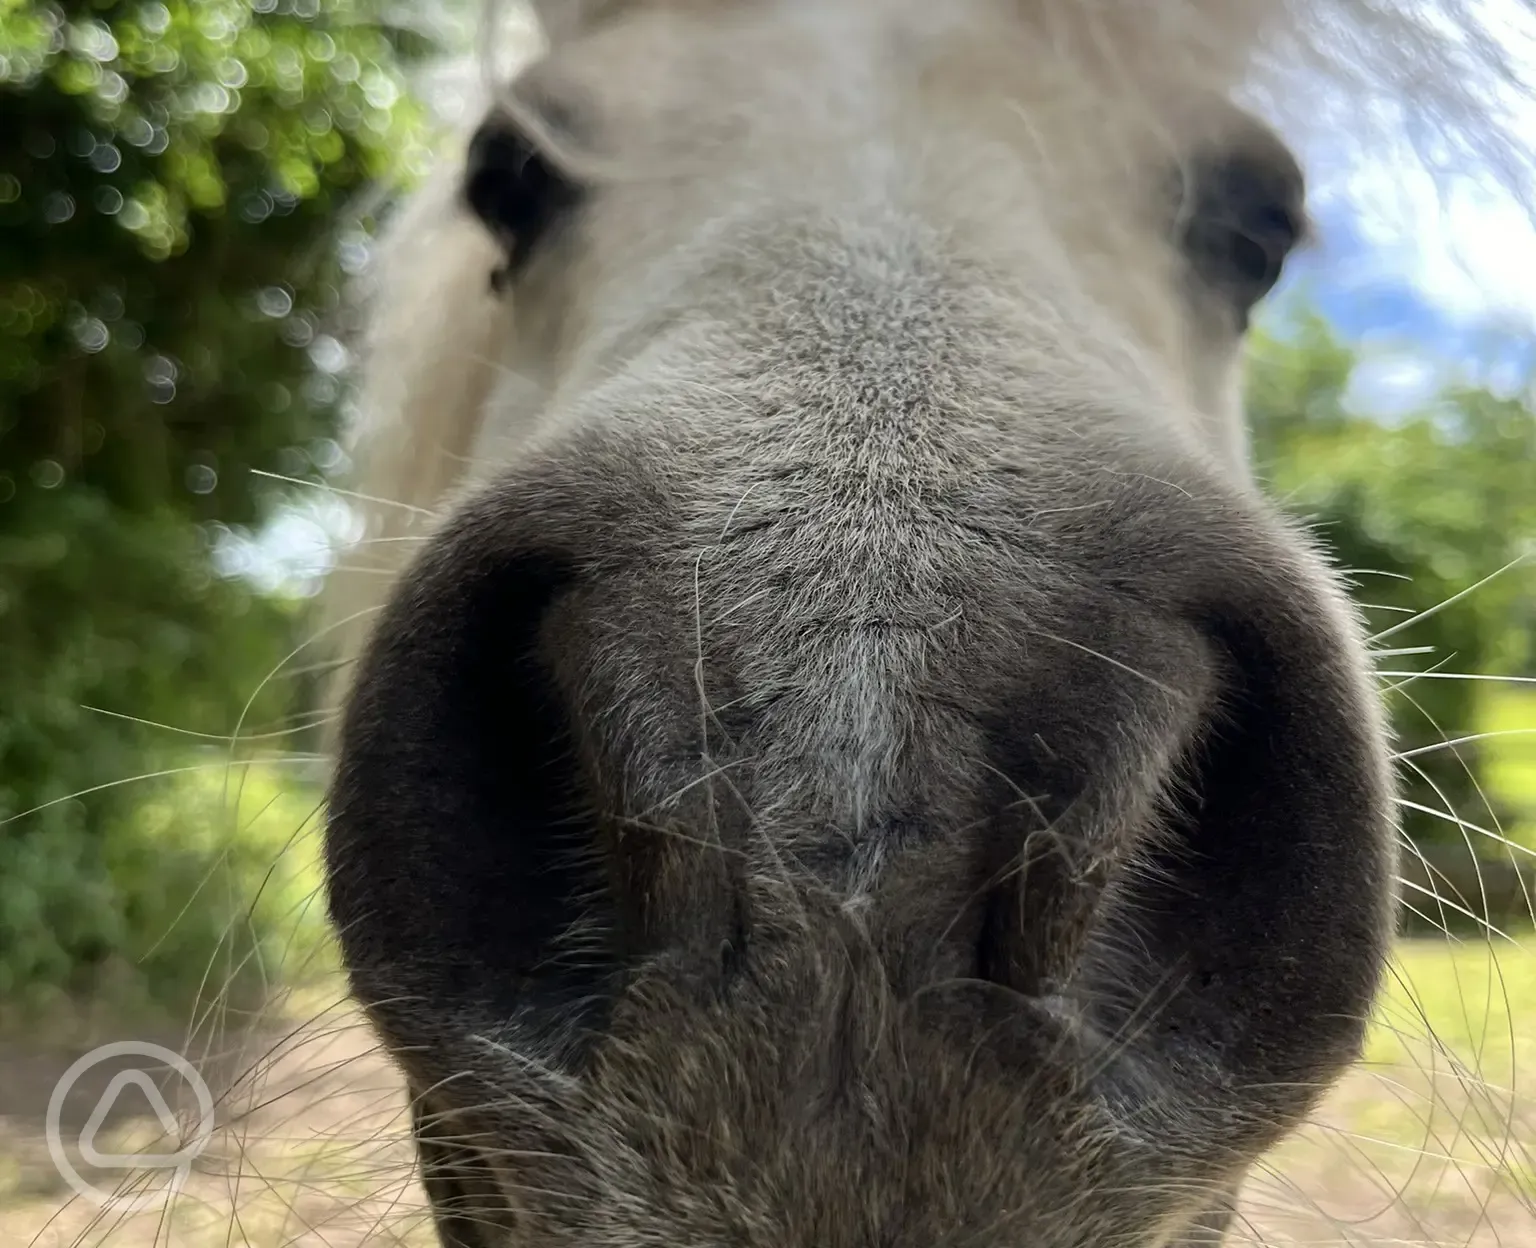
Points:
[[1242, 217], [515, 191]]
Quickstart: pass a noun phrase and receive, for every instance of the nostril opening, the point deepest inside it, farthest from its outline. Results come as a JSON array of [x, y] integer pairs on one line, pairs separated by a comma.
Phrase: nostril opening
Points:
[[1085, 759], [1251, 939], [455, 848]]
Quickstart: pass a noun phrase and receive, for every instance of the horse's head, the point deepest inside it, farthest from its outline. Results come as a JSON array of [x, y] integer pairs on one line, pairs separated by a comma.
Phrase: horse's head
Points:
[[861, 763]]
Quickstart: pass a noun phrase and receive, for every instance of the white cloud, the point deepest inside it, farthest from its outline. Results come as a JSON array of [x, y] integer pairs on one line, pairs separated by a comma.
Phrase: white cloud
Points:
[[1468, 248], [1392, 385]]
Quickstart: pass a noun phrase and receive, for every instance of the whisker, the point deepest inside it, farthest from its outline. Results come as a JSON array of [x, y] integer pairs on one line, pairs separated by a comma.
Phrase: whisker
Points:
[[1440, 606], [341, 493], [1470, 739]]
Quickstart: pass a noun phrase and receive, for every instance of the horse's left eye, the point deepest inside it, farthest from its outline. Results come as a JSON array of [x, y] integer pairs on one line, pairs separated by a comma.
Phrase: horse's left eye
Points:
[[1241, 216], [515, 190]]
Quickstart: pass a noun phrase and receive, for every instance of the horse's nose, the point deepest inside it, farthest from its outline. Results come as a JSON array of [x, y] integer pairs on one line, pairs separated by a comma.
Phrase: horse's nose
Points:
[[1128, 780]]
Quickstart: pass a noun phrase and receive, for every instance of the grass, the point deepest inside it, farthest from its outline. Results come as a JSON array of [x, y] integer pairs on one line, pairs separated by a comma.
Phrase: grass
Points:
[[1431, 1140], [1508, 756], [1471, 1000], [1454, 1033]]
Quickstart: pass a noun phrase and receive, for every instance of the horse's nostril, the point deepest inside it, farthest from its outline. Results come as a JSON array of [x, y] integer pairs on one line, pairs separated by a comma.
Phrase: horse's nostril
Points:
[[1087, 751], [1260, 921], [446, 870]]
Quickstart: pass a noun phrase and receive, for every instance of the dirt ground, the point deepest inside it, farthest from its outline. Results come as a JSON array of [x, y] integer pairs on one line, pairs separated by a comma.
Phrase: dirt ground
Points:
[[311, 1152], [309, 1145]]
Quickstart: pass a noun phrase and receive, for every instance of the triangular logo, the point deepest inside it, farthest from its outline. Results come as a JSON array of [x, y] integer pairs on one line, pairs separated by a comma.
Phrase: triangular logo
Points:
[[131, 1161]]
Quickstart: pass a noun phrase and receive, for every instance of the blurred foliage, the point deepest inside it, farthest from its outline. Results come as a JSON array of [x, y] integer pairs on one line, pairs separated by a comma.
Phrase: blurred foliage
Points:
[[1417, 511], [183, 186], [219, 876], [206, 888]]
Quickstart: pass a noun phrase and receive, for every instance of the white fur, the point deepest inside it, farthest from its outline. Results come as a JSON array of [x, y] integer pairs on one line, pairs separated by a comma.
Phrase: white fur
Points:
[[1059, 98]]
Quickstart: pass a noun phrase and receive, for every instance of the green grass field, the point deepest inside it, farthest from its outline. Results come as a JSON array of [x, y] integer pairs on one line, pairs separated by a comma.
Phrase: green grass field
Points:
[[1476, 998], [1509, 756], [1432, 1140]]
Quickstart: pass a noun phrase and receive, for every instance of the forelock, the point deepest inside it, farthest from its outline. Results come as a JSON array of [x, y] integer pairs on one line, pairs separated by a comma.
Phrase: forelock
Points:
[[1444, 83]]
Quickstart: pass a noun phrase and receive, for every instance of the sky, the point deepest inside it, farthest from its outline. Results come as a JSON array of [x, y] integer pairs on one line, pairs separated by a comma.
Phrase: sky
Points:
[[1447, 293], [1421, 312], [1428, 280]]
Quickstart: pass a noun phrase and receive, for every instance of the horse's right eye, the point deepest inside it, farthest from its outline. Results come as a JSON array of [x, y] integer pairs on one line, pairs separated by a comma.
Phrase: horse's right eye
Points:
[[518, 194], [1243, 215]]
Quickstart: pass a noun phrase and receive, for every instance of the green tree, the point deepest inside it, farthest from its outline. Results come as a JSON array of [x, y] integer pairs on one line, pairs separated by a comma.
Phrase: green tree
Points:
[[1417, 511], [176, 183]]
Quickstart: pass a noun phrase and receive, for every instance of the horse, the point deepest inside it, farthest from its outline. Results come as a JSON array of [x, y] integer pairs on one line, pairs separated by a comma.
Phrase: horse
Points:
[[857, 758]]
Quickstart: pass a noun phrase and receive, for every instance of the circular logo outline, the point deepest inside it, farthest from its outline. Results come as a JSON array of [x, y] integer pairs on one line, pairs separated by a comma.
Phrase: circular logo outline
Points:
[[181, 1160]]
